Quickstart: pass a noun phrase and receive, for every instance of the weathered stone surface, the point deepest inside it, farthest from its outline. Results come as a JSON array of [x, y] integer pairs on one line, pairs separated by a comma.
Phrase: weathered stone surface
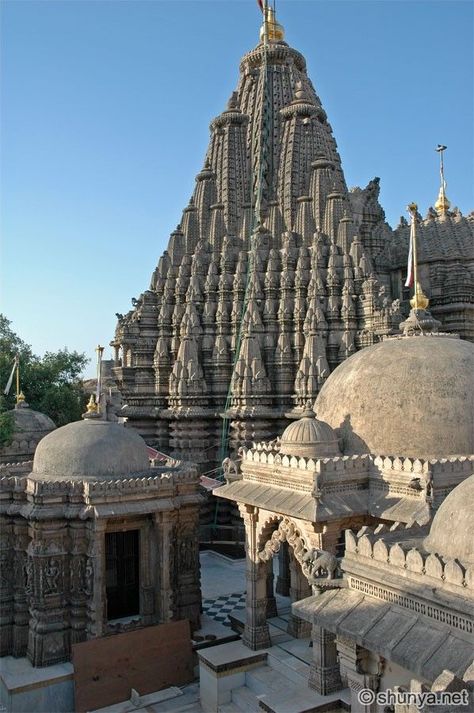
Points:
[[423, 407]]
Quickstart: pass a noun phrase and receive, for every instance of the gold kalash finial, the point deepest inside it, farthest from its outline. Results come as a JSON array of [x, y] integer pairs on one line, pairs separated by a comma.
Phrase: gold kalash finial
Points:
[[270, 29], [442, 204], [419, 299], [92, 407]]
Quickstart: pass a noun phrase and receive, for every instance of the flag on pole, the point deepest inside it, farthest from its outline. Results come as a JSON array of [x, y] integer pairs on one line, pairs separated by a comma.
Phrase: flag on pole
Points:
[[16, 362], [260, 4], [410, 271]]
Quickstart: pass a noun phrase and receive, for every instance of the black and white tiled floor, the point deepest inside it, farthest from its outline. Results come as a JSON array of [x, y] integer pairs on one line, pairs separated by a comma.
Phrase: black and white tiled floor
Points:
[[220, 607]]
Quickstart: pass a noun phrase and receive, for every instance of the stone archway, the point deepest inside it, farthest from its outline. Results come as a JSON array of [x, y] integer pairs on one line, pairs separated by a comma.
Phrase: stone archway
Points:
[[288, 533]]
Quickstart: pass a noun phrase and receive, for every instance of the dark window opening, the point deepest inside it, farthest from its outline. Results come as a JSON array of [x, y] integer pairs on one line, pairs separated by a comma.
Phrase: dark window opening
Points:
[[341, 544], [122, 573]]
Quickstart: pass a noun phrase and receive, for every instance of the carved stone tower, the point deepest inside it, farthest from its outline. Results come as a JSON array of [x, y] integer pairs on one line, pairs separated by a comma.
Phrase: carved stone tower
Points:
[[275, 274]]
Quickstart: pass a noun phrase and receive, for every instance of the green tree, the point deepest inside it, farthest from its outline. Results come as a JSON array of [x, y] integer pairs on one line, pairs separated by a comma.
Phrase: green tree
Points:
[[51, 384]]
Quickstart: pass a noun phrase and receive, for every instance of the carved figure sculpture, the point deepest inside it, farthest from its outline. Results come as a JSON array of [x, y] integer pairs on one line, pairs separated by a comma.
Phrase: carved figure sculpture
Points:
[[318, 561], [230, 469]]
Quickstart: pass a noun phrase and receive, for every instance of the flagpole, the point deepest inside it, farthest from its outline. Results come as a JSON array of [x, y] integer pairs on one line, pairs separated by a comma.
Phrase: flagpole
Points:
[[17, 378], [100, 351], [419, 299], [442, 204]]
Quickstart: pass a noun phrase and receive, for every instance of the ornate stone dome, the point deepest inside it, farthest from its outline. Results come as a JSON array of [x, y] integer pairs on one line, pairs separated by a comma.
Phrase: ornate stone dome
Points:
[[91, 449], [29, 428], [310, 438], [452, 529], [411, 396]]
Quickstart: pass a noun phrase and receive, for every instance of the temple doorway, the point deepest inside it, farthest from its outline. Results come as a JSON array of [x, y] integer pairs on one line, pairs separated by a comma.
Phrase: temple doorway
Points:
[[122, 555]]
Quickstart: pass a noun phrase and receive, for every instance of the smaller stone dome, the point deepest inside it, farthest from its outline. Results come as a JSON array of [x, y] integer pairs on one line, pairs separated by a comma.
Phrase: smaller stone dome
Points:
[[309, 437], [91, 449], [29, 427], [452, 530]]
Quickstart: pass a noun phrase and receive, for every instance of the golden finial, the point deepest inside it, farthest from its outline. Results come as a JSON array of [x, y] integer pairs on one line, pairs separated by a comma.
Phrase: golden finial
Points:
[[91, 405], [20, 398], [270, 27], [419, 299], [442, 204]]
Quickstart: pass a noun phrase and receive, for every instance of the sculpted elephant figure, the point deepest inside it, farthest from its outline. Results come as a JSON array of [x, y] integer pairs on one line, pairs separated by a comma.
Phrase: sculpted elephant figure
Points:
[[230, 469], [320, 561]]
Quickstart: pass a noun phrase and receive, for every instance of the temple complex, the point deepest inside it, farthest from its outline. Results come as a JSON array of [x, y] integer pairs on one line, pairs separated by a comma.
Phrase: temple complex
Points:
[[275, 274]]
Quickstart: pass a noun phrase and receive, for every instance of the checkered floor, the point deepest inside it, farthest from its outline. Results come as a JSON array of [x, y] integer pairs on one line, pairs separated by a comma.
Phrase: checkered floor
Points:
[[219, 608]]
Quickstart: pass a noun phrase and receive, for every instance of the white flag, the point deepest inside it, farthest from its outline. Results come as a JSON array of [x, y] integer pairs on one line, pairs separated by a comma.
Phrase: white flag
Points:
[[409, 280], [7, 388]]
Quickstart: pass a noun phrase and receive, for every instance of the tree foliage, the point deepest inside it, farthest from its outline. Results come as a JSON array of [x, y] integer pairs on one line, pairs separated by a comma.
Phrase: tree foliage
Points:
[[51, 383]]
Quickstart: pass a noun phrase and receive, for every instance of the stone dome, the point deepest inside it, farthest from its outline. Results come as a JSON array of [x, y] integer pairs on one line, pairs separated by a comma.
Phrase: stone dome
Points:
[[309, 437], [29, 427], [452, 530], [411, 396], [91, 449], [29, 421]]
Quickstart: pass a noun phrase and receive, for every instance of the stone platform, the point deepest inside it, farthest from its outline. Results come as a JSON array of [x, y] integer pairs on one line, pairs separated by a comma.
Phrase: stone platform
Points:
[[24, 688]]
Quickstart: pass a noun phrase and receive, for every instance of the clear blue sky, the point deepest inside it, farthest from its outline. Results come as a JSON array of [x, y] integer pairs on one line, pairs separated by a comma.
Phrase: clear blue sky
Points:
[[105, 115]]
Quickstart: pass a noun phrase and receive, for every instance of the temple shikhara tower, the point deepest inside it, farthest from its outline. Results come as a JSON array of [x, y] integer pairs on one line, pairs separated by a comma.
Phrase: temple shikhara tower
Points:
[[275, 274]]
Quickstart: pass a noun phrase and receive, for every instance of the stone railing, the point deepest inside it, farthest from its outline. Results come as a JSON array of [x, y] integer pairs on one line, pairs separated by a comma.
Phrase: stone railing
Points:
[[272, 457], [367, 543]]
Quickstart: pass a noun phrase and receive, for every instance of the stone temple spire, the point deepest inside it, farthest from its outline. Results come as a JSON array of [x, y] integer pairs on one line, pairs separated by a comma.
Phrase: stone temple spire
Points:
[[245, 318]]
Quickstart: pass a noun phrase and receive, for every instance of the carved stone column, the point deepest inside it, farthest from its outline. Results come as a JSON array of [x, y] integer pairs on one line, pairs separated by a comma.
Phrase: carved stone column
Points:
[[166, 538], [78, 587], [324, 674], [299, 589], [256, 633], [48, 574], [283, 579], [95, 580], [271, 609], [147, 588], [353, 666], [21, 614], [7, 584], [187, 595]]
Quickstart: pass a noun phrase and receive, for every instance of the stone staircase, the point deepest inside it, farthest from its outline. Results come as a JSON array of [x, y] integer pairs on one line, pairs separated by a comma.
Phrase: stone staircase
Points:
[[281, 686]]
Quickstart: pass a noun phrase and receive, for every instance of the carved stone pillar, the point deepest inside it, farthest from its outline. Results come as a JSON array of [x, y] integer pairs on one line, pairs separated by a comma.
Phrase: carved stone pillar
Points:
[[21, 614], [167, 556], [271, 609], [353, 664], [147, 588], [7, 584], [78, 587], [48, 574], [283, 579], [256, 633], [299, 589], [95, 580], [324, 674], [187, 595]]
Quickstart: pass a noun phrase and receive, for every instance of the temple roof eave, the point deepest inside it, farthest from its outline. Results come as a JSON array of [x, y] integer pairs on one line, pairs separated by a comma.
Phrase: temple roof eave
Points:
[[390, 631], [304, 506]]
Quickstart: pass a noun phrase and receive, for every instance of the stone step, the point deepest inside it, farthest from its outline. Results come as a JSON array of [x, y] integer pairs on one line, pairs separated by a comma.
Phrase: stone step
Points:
[[228, 708], [188, 702], [246, 700], [265, 679], [286, 666]]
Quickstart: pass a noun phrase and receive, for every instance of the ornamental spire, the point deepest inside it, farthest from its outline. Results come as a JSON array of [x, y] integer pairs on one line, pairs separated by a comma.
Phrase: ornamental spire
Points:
[[271, 30], [442, 204]]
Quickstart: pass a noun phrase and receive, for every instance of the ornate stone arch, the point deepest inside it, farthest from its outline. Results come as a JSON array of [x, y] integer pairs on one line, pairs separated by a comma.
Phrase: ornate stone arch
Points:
[[286, 531], [266, 528]]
